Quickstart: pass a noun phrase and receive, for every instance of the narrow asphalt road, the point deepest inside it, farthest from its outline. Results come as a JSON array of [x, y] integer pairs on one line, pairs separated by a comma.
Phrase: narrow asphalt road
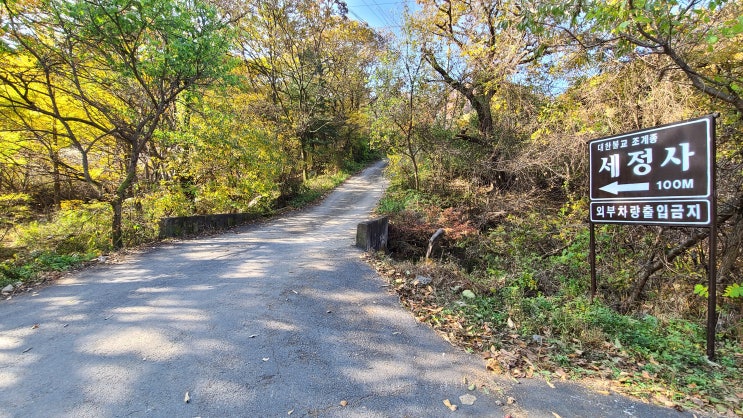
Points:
[[276, 319]]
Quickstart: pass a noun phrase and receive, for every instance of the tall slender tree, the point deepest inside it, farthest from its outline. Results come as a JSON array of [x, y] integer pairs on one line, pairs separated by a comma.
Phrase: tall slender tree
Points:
[[479, 48]]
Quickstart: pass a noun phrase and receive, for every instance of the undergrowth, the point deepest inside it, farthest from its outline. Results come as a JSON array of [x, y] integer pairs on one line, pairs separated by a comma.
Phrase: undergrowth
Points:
[[517, 292], [315, 188], [29, 269], [80, 231]]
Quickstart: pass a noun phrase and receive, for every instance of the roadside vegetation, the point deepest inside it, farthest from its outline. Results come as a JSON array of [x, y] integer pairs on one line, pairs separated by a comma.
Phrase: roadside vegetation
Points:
[[117, 113], [521, 301], [487, 118], [78, 233]]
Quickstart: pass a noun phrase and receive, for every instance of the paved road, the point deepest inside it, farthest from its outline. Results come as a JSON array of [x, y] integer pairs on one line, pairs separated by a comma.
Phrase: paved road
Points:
[[275, 319]]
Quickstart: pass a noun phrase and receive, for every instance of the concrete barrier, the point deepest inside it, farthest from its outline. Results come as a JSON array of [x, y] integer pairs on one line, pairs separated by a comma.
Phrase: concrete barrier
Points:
[[191, 225], [373, 234]]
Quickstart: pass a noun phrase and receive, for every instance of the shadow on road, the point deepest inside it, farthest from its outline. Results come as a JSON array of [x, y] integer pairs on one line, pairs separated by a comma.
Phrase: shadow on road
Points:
[[271, 320]]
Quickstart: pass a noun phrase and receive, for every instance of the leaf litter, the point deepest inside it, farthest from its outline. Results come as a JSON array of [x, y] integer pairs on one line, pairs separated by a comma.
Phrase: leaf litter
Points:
[[507, 353]]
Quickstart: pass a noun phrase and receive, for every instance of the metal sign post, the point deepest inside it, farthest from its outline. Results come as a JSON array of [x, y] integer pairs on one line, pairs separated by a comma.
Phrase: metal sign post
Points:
[[592, 255], [712, 269], [659, 176]]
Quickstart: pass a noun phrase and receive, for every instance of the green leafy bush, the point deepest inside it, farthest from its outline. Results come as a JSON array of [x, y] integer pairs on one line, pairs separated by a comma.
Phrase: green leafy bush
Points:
[[315, 188], [27, 269], [397, 199], [78, 227], [14, 208]]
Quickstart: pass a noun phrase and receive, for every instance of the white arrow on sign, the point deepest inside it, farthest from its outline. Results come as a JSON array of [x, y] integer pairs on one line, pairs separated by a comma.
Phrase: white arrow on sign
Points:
[[616, 188]]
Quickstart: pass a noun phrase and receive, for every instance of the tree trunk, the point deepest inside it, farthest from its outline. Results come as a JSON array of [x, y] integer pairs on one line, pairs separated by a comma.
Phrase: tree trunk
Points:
[[647, 272], [57, 184], [479, 100], [409, 139], [732, 248], [481, 104], [479, 96], [117, 235], [117, 202], [305, 154], [416, 177], [55, 169]]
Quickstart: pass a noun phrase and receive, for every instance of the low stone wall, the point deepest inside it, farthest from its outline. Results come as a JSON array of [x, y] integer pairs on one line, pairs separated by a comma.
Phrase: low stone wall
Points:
[[182, 226], [373, 234]]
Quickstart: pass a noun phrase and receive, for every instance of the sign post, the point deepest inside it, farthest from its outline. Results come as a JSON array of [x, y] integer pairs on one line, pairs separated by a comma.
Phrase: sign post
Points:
[[659, 176]]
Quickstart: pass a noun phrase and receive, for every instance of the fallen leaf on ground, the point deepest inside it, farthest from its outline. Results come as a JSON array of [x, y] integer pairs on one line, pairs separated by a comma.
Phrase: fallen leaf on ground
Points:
[[663, 400], [561, 374], [450, 405], [344, 402], [494, 366]]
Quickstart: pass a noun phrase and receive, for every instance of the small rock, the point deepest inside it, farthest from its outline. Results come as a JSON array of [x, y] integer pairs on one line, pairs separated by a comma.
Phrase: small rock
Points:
[[537, 339], [467, 399], [8, 289], [422, 280], [344, 403]]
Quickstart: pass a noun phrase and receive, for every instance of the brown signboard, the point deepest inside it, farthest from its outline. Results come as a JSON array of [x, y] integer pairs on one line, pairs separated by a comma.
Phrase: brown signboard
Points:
[[666, 172], [659, 176]]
